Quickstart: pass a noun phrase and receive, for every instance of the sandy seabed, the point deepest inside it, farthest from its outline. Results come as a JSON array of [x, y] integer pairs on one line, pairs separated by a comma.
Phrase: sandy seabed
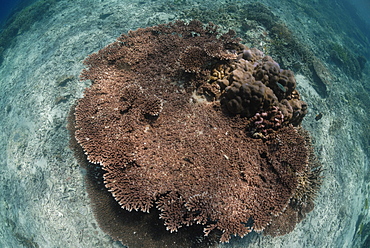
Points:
[[43, 202]]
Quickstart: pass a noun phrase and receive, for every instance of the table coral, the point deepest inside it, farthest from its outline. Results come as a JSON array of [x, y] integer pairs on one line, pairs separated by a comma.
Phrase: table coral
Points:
[[171, 118]]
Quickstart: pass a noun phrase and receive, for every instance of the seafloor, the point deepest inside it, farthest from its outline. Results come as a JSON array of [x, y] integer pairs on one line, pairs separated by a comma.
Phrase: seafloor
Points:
[[43, 201]]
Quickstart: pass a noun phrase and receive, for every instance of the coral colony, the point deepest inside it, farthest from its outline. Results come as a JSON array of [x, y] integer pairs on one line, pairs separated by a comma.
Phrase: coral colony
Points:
[[192, 122]]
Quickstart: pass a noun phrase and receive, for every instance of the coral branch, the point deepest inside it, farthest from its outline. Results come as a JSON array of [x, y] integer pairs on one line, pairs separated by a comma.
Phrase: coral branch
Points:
[[170, 118]]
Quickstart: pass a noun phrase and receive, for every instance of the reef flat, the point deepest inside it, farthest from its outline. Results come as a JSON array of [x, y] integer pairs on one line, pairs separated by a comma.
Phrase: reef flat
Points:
[[43, 199]]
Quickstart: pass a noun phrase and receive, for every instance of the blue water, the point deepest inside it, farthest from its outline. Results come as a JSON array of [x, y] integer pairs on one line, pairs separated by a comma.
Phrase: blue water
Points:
[[8, 7], [363, 9]]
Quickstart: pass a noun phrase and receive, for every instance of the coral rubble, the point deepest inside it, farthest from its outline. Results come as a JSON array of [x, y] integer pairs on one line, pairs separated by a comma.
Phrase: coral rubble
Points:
[[195, 124]]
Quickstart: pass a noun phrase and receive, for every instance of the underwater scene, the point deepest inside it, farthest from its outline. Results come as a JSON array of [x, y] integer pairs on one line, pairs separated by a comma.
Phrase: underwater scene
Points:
[[183, 123]]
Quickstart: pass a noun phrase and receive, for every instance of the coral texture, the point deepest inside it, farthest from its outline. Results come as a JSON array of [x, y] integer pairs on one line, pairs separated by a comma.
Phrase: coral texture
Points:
[[194, 123]]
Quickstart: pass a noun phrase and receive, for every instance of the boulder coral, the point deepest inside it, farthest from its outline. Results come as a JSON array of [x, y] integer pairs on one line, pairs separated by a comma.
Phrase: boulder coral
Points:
[[192, 122]]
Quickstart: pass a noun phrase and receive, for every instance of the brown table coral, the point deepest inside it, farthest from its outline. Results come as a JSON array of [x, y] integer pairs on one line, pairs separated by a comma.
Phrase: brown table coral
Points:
[[194, 123]]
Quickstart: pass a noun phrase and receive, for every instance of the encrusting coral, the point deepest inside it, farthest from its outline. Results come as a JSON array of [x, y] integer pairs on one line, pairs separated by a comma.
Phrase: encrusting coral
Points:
[[194, 123]]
